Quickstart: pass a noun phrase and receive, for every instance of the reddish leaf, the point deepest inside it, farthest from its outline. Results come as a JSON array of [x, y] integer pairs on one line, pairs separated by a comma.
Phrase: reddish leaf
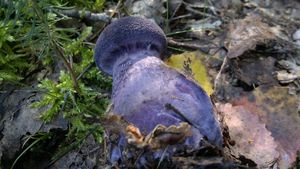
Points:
[[270, 114], [252, 139]]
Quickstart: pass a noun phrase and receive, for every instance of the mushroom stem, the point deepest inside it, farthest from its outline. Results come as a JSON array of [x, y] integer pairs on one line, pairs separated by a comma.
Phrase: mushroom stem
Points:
[[124, 63]]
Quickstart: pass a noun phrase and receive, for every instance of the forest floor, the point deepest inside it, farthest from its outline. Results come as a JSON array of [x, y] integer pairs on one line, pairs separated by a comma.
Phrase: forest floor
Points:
[[247, 51]]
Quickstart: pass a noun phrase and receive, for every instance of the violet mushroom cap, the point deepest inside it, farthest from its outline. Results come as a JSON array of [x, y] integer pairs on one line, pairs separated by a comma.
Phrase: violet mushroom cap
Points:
[[127, 34]]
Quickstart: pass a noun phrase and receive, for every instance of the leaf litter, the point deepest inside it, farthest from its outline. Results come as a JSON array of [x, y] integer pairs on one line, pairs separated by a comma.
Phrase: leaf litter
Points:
[[259, 112], [262, 122]]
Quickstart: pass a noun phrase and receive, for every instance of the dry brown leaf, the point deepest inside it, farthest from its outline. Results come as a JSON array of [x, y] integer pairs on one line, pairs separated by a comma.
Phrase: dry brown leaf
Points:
[[151, 9], [252, 139], [246, 33], [281, 116], [134, 135], [255, 70], [291, 73], [160, 137], [275, 109], [285, 77]]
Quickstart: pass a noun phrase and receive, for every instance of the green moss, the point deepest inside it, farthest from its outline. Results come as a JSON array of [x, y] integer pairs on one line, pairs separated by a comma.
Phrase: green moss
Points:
[[31, 39]]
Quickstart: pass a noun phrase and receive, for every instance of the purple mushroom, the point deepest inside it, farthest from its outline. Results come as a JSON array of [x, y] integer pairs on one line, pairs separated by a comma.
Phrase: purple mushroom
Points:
[[147, 92]]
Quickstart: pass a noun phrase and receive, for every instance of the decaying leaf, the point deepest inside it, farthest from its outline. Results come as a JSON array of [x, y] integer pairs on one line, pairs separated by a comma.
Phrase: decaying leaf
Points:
[[292, 73], [252, 140], [200, 28], [190, 63], [152, 9], [271, 114], [160, 137], [285, 77], [281, 116], [134, 135], [255, 70], [246, 33]]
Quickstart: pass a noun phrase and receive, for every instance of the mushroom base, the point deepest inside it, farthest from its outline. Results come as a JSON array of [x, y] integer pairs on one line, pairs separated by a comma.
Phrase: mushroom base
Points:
[[146, 92]]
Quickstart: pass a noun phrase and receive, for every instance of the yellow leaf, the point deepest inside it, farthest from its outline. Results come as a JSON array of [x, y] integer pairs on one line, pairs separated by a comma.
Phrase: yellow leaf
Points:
[[190, 64]]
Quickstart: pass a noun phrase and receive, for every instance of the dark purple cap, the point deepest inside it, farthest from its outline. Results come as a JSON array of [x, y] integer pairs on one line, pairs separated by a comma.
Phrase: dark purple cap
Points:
[[127, 35]]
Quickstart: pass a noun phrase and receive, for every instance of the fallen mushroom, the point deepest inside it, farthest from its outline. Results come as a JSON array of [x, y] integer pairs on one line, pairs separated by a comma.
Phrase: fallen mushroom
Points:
[[146, 92]]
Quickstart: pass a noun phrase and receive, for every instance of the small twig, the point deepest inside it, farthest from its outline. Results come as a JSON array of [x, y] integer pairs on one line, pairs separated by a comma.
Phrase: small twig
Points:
[[81, 14], [202, 48], [175, 11], [162, 157], [23, 90], [217, 80], [180, 17], [200, 13], [105, 147], [212, 7], [67, 64], [202, 6], [179, 32], [176, 49], [96, 34], [119, 4], [139, 156], [85, 70], [71, 147]]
